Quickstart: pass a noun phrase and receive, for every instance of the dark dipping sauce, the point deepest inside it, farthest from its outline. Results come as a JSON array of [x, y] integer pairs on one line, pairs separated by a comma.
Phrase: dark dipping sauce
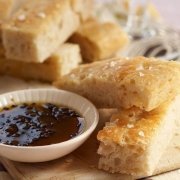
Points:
[[38, 124]]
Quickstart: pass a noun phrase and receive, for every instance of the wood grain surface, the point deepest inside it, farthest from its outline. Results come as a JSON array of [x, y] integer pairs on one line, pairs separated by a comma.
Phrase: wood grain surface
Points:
[[5, 176]]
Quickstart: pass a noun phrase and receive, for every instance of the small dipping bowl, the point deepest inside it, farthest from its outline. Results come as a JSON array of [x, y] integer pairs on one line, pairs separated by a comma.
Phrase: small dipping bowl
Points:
[[59, 97]]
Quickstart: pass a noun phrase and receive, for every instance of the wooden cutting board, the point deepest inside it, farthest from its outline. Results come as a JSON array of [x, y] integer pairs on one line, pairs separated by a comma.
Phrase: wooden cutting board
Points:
[[82, 164], [5, 176]]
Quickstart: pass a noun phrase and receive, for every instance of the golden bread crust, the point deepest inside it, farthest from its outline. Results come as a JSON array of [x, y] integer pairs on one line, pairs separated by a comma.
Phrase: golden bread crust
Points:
[[5, 9], [141, 82], [36, 30], [99, 41], [134, 140], [31, 11], [128, 125], [66, 57]]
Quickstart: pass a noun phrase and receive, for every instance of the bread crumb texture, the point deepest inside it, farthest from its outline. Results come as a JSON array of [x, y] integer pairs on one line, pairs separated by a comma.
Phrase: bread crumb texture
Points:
[[141, 82]]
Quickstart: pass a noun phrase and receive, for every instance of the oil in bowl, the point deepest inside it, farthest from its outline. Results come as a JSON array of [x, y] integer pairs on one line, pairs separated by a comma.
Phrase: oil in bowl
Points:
[[39, 124], [49, 117]]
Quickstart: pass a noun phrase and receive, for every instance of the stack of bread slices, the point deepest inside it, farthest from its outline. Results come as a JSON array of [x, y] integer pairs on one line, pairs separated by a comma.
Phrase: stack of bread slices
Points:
[[146, 93], [47, 40], [41, 39]]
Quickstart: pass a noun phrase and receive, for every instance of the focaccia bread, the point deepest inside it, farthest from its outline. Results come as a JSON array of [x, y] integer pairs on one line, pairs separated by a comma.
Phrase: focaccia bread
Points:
[[8, 7], [37, 29], [61, 62], [99, 41], [84, 8], [140, 82], [134, 140]]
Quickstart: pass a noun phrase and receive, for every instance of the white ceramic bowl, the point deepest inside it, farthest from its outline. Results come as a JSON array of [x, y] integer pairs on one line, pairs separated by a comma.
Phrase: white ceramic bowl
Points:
[[54, 151]]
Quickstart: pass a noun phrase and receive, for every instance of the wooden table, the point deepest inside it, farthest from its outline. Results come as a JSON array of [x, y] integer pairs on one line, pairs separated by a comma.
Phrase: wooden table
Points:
[[3, 174]]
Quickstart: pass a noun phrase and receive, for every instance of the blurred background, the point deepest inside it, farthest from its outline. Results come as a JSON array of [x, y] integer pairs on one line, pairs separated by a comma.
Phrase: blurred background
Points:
[[152, 25], [169, 11]]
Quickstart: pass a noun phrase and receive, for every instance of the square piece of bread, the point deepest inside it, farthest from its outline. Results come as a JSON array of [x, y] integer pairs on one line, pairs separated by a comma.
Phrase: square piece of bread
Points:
[[37, 29], [99, 40], [134, 140], [142, 82], [61, 62]]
